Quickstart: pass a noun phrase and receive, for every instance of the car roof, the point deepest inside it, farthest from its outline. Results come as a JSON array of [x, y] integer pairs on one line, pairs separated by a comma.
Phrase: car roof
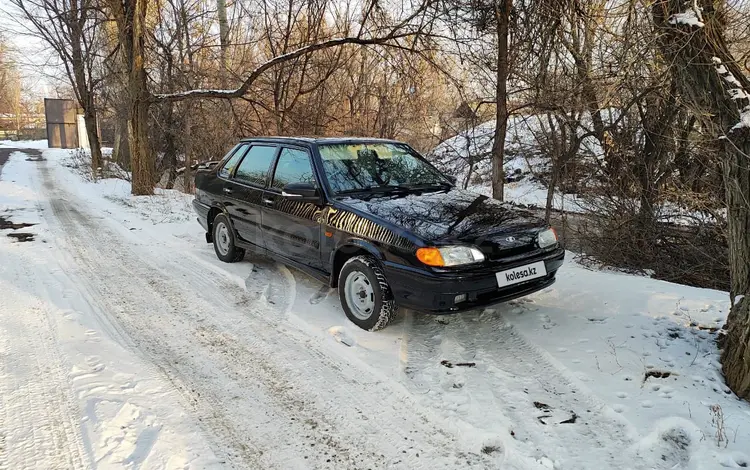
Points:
[[317, 140]]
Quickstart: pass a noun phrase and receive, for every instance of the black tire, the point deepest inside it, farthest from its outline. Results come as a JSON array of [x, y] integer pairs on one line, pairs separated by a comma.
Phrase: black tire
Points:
[[378, 307], [224, 241]]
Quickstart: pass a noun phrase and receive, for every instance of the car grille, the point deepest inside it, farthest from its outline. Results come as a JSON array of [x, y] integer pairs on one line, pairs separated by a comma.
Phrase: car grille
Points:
[[514, 252], [503, 247]]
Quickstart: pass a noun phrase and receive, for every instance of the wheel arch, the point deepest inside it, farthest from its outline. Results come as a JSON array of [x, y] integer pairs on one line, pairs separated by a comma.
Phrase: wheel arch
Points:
[[348, 250], [212, 213]]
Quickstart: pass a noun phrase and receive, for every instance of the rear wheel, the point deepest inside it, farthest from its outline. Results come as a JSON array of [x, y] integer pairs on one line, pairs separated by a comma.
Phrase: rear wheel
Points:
[[224, 241], [365, 294]]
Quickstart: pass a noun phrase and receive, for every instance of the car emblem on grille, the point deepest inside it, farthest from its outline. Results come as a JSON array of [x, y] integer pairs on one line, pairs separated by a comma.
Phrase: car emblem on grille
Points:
[[510, 239]]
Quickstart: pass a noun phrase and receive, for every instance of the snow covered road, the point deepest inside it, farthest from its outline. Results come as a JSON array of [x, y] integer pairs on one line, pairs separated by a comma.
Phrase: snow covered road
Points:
[[126, 344]]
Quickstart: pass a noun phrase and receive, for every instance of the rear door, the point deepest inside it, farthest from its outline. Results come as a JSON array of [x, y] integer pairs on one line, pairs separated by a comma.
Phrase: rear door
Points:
[[210, 183], [226, 187], [245, 191], [292, 228]]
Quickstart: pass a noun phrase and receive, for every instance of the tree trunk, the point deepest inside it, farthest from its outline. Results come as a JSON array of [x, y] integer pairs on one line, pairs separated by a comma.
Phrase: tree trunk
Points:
[[92, 131], [82, 84], [556, 153], [141, 159], [706, 71], [502, 14], [187, 181], [736, 355], [221, 12], [130, 16], [170, 145], [121, 149]]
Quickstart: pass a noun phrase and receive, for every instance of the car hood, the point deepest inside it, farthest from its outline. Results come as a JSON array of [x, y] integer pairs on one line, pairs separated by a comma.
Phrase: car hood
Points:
[[451, 216]]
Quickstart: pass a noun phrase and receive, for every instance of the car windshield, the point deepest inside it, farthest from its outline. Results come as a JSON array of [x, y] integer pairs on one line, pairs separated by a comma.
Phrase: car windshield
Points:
[[376, 166]]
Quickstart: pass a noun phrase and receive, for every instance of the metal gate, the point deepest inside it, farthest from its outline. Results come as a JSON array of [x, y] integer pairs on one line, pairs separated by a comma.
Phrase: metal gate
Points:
[[62, 125]]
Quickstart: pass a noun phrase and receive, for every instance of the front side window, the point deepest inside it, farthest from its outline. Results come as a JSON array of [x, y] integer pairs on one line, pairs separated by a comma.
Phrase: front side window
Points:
[[293, 167], [363, 166], [254, 167], [228, 168]]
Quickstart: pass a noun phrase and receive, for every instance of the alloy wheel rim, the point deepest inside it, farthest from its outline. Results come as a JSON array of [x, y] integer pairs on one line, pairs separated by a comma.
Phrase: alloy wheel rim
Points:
[[222, 238], [360, 295]]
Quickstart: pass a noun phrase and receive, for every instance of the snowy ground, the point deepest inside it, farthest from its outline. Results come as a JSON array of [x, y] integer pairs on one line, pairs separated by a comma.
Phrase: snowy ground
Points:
[[125, 343], [24, 144]]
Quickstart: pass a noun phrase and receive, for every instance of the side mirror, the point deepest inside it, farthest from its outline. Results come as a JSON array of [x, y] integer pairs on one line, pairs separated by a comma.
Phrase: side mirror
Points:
[[303, 192], [452, 179]]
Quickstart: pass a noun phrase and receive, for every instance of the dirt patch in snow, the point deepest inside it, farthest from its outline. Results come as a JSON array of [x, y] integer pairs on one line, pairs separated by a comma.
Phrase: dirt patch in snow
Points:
[[657, 374], [450, 365], [4, 155], [22, 236], [6, 224], [487, 450]]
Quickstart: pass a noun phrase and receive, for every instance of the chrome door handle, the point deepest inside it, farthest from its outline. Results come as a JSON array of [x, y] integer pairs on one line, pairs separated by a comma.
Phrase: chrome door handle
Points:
[[227, 191], [268, 202]]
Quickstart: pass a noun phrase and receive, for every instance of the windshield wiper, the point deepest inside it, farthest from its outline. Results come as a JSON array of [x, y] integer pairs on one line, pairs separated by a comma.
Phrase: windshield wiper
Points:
[[385, 188], [398, 188], [434, 184], [353, 191]]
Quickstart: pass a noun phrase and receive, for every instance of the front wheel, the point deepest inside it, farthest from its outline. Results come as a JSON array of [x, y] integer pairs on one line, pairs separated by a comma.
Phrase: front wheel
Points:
[[365, 294], [224, 241]]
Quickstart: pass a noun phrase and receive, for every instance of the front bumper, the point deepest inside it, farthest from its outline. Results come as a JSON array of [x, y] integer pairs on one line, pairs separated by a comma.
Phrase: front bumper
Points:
[[435, 291]]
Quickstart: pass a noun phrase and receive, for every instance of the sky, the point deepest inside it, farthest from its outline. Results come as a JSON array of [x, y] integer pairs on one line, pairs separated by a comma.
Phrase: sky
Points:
[[33, 57]]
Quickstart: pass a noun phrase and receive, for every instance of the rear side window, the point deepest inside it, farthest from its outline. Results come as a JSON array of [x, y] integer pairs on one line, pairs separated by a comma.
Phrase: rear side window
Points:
[[293, 167], [254, 167], [228, 168]]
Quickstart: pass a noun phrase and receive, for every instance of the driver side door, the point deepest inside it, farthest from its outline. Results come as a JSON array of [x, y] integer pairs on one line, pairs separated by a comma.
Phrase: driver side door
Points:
[[291, 228]]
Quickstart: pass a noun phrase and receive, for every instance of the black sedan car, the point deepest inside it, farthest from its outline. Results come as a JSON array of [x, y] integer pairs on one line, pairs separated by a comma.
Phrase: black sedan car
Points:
[[375, 219]]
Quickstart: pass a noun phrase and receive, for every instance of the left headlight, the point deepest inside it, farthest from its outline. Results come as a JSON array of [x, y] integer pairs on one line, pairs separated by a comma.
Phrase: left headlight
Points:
[[546, 238], [449, 255]]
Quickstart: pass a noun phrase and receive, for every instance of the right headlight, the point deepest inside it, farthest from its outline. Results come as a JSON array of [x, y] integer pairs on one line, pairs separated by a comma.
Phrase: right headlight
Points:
[[547, 238], [449, 255]]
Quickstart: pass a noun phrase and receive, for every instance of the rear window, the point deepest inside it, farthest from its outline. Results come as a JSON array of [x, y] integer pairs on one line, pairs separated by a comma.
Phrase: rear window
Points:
[[254, 167], [228, 168]]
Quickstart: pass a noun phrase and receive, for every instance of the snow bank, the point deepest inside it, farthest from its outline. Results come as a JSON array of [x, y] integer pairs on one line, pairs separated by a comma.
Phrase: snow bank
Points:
[[25, 144], [744, 119], [688, 18], [165, 206], [525, 162]]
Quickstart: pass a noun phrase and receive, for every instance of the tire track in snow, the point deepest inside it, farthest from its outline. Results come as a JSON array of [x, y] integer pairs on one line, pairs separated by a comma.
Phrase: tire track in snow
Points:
[[266, 392], [116, 285], [39, 425], [503, 355], [37, 416]]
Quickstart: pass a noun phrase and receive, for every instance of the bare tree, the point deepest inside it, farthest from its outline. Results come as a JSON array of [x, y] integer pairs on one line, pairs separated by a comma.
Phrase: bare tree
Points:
[[70, 28], [130, 16], [692, 36], [10, 84], [503, 10], [221, 13]]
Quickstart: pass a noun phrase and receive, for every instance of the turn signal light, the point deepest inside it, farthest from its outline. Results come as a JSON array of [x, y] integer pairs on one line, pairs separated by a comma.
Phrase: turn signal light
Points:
[[430, 256]]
